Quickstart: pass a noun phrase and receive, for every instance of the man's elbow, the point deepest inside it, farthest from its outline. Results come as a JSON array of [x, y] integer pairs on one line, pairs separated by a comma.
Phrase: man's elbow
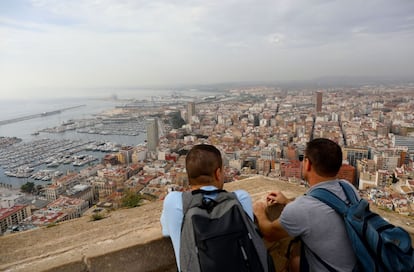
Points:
[[274, 233], [270, 237]]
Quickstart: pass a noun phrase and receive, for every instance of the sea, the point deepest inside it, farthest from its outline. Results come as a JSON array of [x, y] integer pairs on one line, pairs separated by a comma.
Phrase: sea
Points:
[[81, 108]]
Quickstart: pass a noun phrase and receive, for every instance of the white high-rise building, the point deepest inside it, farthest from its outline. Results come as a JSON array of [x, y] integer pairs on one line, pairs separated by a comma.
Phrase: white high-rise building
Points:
[[190, 111], [152, 134]]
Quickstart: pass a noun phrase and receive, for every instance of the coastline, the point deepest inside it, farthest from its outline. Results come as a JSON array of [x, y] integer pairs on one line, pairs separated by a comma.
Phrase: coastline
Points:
[[64, 124], [29, 129]]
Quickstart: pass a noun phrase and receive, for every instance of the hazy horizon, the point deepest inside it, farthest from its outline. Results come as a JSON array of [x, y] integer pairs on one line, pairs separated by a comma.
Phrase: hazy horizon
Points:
[[64, 48]]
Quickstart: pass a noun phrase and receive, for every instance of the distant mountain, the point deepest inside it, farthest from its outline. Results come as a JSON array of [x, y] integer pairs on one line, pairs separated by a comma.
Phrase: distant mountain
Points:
[[316, 83], [361, 80], [320, 82]]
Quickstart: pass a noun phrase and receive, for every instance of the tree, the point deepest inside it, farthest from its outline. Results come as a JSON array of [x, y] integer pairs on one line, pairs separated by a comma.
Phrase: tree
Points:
[[28, 187], [38, 188], [176, 121], [394, 178], [97, 216], [131, 199]]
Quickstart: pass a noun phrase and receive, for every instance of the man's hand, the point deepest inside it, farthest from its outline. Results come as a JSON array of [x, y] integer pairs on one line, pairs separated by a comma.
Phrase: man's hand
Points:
[[277, 197], [271, 230]]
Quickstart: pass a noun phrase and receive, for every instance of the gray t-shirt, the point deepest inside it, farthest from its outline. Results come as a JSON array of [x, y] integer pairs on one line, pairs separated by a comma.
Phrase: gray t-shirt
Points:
[[321, 228]]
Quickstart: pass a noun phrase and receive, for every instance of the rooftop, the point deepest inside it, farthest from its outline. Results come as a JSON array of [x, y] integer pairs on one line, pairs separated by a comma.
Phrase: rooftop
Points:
[[5, 212]]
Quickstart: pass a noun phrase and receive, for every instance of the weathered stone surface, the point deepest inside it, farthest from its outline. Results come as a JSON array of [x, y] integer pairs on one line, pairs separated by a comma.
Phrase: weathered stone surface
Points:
[[157, 255], [127, 240]]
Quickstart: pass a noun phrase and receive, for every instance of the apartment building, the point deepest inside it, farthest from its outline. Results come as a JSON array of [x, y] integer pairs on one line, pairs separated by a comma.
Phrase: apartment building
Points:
[[12, 216]]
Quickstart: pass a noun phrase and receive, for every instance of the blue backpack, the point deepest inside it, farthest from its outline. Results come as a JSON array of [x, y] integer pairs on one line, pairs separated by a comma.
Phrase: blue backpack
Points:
[[378, 245]]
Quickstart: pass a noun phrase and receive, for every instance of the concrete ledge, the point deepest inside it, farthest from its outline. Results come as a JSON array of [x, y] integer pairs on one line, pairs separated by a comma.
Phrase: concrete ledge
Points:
[[127, 240], [144, 257], [157, 255]]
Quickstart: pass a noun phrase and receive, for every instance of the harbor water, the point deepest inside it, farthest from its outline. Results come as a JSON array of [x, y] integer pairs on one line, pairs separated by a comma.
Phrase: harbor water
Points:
[[77, 108], [26, 130]]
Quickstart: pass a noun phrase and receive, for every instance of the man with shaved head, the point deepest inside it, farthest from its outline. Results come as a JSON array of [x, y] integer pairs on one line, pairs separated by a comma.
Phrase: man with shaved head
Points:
[[204, 166]]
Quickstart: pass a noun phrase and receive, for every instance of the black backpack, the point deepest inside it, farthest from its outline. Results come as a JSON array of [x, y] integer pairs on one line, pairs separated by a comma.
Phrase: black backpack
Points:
[[217, 235]]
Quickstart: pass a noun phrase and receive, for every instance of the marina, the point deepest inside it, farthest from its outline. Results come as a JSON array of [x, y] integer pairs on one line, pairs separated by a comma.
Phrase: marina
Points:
[[44, 159], [28, 154], [37, 149], [130, 126]]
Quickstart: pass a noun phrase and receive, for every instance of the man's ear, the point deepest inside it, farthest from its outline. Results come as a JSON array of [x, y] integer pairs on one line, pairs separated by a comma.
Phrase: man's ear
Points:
[[308, 165], [217, 174]]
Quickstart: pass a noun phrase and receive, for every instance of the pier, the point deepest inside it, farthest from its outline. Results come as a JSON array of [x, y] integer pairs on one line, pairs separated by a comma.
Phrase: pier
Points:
[[32, 116]]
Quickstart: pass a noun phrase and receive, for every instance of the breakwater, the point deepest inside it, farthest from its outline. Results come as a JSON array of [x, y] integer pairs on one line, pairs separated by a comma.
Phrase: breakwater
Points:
[[38, 115]]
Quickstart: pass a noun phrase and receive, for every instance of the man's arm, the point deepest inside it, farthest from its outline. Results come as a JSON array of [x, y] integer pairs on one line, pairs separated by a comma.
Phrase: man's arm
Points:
[[172, 214], [271, 230], [278, 197], [246, 202]]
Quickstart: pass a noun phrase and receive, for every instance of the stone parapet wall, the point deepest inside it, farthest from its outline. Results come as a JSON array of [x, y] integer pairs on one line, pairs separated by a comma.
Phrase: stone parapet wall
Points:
[[126, 240]]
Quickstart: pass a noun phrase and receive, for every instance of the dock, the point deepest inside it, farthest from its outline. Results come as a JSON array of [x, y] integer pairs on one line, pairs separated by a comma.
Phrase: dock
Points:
[[38, 115]]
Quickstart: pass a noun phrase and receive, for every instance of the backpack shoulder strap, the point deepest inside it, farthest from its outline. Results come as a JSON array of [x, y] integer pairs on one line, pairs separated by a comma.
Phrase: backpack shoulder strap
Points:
[[329, 199], [349, 192], [186, 199], [194, 198]]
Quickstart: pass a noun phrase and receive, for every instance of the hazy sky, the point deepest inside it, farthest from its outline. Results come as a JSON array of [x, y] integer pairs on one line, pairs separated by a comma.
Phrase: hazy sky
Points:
[[49, 46]]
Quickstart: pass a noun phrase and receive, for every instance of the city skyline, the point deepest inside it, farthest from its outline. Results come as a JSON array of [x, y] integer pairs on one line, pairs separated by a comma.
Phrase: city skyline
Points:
[[57, 49]]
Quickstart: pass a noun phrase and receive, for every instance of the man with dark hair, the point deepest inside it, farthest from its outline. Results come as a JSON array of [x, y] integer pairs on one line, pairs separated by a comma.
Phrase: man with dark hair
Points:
[[320, 228], [204, 168]]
